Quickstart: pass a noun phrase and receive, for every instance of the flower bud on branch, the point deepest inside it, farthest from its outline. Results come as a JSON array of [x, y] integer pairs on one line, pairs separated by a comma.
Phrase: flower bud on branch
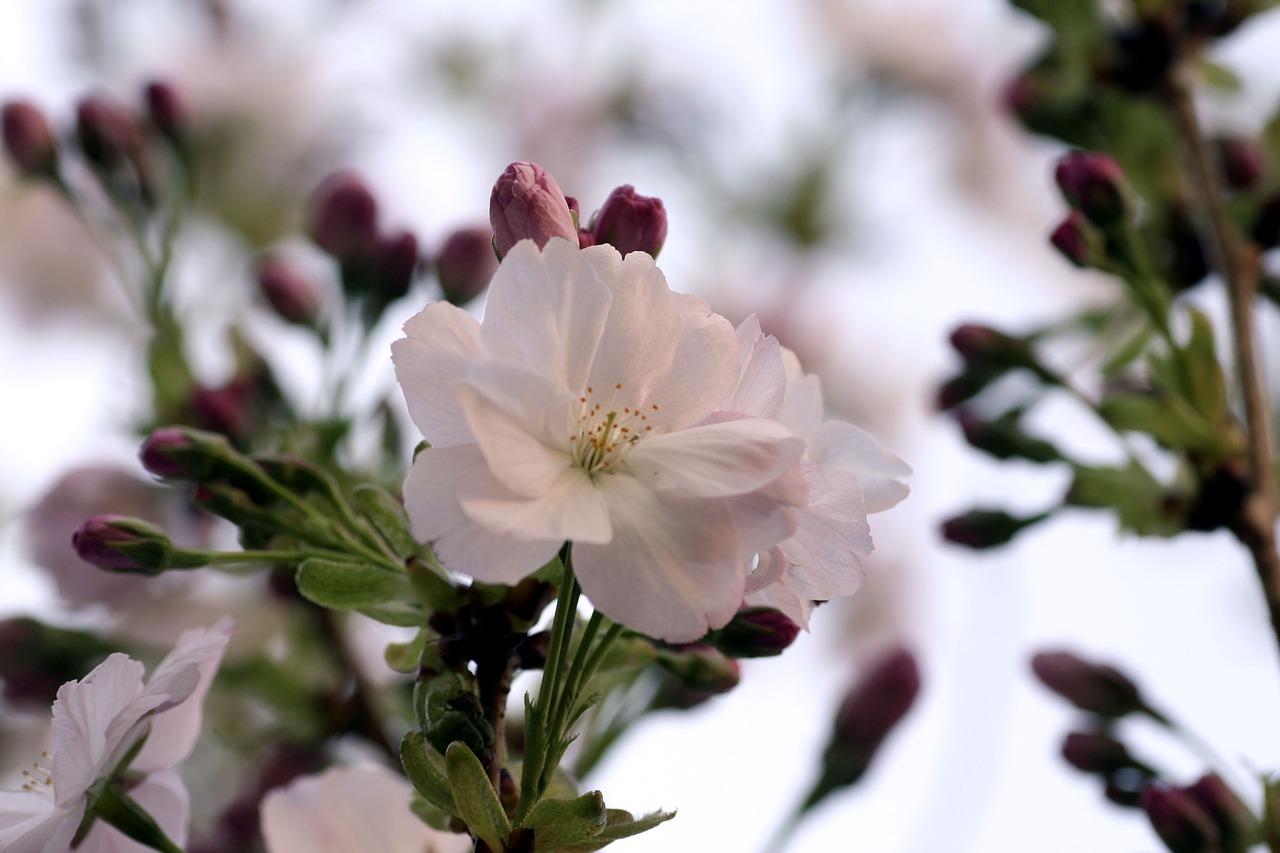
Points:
[[527, 204], [631, 222], [1097, 688], [28, 140]]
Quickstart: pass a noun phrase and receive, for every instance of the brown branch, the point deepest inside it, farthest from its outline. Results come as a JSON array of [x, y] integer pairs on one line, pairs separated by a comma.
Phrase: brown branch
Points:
[[1238, 262]]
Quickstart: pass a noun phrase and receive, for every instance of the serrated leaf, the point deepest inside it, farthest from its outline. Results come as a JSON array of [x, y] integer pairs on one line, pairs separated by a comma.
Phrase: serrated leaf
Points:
[[1137, 499], [560, 824], [423, 768], [474, 796], [377, 593], [1168, 420], [386, 513], [621, 824]]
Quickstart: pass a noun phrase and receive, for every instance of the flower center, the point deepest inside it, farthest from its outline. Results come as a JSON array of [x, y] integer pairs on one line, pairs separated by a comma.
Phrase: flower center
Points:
[[39, 779], [606, 431]]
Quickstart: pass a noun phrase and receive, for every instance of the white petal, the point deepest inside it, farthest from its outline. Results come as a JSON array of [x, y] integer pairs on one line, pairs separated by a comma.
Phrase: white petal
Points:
[[674, 568], [87, 724], [762, 382], [802, 409], [545, 312], [572, 509], [715, 460], [29, 823], [347, 809], [842, 447], [438, 345], [182, 679], [831, 536], [782, 598], [431, 501]]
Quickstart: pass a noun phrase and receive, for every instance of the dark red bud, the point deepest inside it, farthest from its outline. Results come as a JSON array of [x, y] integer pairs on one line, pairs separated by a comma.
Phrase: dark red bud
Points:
[[28, 139], [631, 222], [119, 544], [398, 261], [108, 133], [756, 632], [1097, 752], [527, 203], [1179, 820], [465, 264], [1243, 162], [1076, 240], [984, 528], [1093, 687], [344, 217], [1236, 825], [290, 294], [1093, 183], [166, 109]]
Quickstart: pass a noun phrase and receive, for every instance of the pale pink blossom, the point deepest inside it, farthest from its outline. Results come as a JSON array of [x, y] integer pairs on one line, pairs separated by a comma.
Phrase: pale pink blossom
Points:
[[581, 410], [96, 722], [848, 472], [345, 809]]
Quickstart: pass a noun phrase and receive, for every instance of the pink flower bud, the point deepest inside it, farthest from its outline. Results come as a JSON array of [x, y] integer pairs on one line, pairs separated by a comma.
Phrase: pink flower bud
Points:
[[397, 262], [1093, 687], [291, 295], [119, 544], [465, 264], [28, 139], [107, 132], [1076, 240], [631, 222], [1093, 183], [756, 632], [222, 409], [986, 528], [1095, 752], [166, 453], [1236, 825], [1178, 819], [166, 109], [978, 344], [527, 204], [344, 217], [1243, 162]]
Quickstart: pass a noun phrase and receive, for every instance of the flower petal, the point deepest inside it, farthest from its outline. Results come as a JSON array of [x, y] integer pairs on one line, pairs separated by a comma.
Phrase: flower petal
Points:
[[675, 568], [439, 343], [431, 501], [715, 460], [546, 312], [842, 447], [762, 382], [29, 823], [87, 724], [572, 509], [832, 534]]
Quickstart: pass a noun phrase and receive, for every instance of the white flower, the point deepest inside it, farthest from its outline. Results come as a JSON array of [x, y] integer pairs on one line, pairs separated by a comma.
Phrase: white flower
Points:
[[849, 475], [580, 410], [349, 810], [96, 722]]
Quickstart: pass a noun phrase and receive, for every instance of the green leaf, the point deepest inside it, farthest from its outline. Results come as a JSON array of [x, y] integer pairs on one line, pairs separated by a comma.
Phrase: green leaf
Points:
[[621, 824], [1137, 499], [560, 824], [425, 772], [1206, 388], [1166, 419], [475, 798], [430, 814], [1219, 78], [404, 657], [386, 513], [377, 593]]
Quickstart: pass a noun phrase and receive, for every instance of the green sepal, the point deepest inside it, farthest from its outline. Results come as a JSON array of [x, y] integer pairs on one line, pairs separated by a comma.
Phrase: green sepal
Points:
[[425, 771], [386, 513], [108, 803], [431, 814], [560, 824], [404, 657], [621, 824], [381, 595], [475, 798]]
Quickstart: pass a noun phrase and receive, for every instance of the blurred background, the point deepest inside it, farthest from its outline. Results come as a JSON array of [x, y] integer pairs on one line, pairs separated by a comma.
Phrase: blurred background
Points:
[[846, 169]]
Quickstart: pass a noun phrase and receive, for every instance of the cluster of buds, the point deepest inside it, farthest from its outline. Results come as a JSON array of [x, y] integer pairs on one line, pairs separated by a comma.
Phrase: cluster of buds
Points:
[[376, 267], [1204, 817], [528, 204]]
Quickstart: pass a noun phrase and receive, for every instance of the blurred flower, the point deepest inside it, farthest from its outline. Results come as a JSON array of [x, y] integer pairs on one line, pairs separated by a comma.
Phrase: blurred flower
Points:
[[292, 295], [27, 138], [344, 217], [848, 474], [577, 412], [1093, 687], [91, 491], [1182, 824], [465, 264], [97, 722], [1093, 183], [527, 204], [345, 809]]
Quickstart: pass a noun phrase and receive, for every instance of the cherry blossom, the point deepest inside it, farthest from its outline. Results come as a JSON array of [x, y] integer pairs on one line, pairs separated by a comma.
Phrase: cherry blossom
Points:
[[97, 722], [350, 808], [580, 410]]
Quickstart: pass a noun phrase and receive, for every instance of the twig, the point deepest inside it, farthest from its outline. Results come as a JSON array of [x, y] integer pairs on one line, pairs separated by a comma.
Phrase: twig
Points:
[[1237, 262]]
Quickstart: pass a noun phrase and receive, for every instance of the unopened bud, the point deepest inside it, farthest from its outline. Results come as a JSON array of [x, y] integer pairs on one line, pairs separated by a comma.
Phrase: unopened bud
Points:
[[527, 204], [107, 132], [701, 667], [1178, 819], [867, 715], [986, 528], [167, 111], [292, 296], [397, 263], [1243, 162], [1237, 827], [344, 217], [28, 140], [118, 544], [1093, 184], [465, 264], [182, 453], [1078, 242], [1097, 688], [966, 385], [1003, 438], [631, 222], [1099, 753], [222, 409], [983, 345], [756, 632]]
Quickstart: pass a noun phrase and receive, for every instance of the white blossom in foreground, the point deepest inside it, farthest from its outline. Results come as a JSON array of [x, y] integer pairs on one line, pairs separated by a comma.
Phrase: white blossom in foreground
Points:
[[96, 722], [583, 409], [848, 472], [348, 810]]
